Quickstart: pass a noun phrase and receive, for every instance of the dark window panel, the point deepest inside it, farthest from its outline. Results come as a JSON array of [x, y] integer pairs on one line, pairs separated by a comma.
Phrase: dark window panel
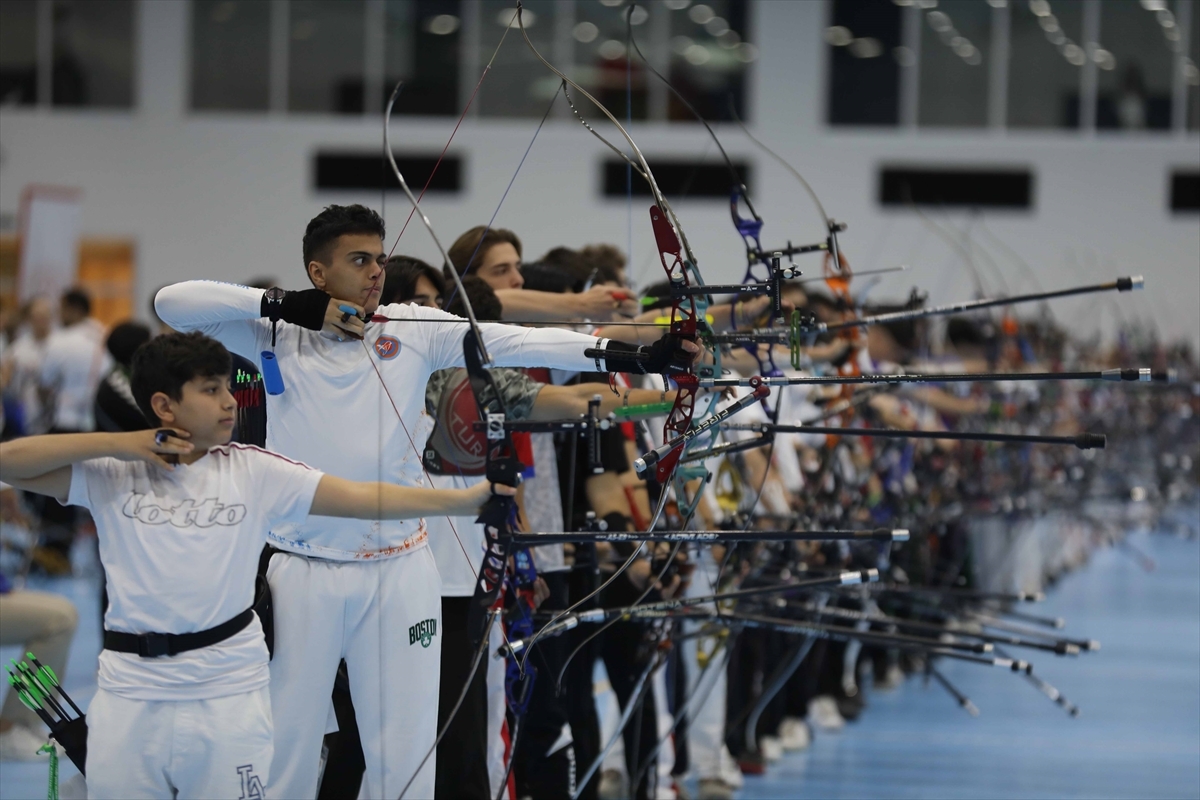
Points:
[[864, 86], [938, 186], [347, 171], [709, 57], [325, 56], [676, 178], [18, 52], [93, 53], [231, 55], [422, 48], [1185, 191]]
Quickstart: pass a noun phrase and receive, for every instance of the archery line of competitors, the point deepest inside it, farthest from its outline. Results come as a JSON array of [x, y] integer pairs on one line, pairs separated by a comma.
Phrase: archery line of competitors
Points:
[[290, 556]]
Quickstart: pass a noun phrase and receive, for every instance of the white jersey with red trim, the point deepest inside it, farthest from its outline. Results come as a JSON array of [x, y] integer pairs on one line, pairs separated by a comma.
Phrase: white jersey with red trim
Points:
[[357, 409], [180, 552]]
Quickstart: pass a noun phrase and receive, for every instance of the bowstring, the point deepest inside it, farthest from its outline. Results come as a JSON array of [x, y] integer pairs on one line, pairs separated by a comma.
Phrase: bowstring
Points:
[[503, 197], [461, 117]]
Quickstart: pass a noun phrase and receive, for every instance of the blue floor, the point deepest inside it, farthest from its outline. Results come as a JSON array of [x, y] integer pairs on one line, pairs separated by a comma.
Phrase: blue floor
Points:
[[1138, 735]]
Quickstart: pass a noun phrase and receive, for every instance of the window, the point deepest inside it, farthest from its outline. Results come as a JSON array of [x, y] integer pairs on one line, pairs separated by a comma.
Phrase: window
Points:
[[709, 56], [1190, 70], [326, 61], [955, 43], [1135, 66], [421, 48], [601, 38], [865, 58], [18, 52], [956, 186], [350, 171], [699, 47], [1044, 67], [519, 85], [676, 178], [92, 62], [230, 54]]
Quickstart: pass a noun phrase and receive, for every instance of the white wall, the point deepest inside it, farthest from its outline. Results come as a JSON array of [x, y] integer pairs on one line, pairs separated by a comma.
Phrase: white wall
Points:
[[228, 197]]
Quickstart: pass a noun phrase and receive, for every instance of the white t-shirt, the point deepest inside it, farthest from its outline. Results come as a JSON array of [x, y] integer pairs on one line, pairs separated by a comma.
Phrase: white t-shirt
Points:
[[26, 355], [180, 549], [74, 363], [357, 409]]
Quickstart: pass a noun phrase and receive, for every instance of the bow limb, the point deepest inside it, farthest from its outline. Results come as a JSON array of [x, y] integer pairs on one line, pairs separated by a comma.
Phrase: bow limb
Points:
[[659, 199], [387, 149]]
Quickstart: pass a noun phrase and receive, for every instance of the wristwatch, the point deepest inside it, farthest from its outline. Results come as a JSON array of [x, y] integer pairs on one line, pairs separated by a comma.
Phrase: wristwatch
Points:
[[272, 303]]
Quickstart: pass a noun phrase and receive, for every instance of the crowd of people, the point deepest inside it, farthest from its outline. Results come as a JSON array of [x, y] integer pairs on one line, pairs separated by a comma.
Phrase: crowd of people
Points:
[[339, 395]]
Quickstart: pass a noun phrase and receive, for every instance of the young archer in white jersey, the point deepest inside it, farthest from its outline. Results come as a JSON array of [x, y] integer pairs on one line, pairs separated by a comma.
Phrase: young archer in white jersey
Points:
[[353, 405], [182, 707]]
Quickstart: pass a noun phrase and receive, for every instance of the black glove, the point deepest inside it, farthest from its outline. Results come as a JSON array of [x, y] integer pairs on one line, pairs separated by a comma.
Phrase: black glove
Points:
[[664, 357], [304, 308]]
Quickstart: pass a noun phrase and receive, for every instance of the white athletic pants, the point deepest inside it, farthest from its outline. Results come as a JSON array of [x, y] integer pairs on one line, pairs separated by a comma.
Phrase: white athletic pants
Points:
[[383, 617], [205, 749], [709, 757], [498, 734]]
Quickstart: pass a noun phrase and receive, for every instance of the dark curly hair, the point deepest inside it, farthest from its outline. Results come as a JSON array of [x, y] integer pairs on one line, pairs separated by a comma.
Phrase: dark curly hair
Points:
[[335, 221], [165, 364]]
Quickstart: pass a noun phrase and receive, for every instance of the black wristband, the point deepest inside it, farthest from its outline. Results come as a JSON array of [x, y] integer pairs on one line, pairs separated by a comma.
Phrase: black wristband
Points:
[[624, 357], [305, 308]]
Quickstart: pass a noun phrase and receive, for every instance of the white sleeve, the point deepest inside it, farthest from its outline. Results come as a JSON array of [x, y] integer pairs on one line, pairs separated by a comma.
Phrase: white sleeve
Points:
[[229, 313], [93, 476], [509, 345], [284, 487], [50, 372]]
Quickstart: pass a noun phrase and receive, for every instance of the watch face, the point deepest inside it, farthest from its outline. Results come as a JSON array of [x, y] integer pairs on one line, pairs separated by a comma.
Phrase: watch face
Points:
[[275, 294]]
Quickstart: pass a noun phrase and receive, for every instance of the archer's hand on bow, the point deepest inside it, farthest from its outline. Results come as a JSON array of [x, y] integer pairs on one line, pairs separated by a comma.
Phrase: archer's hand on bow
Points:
[[671, 354]]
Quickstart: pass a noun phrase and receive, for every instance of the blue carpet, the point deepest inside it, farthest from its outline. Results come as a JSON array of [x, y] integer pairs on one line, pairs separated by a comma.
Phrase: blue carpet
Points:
[[1138, 735]]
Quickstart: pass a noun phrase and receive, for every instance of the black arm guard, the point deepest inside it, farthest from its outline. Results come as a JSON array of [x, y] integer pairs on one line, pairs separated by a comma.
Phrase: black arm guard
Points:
[[662, 357], [305, 308]]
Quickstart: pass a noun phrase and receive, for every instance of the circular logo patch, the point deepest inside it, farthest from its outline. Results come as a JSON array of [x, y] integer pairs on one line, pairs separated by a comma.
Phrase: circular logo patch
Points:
[[387, 347]]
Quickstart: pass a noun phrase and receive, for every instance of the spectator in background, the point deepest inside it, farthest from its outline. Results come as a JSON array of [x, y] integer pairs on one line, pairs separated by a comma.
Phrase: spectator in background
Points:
[[607, 262], [42, 623], [28, 413], [410, 280], [116, 410], [494, 254], [74, 363]]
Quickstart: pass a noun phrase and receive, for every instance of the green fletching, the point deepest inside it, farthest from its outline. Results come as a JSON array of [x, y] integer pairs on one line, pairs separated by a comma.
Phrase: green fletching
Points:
[[649, 409]]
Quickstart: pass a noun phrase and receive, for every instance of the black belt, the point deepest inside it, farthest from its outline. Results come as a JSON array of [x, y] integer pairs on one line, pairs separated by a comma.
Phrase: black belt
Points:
[[152, 645]]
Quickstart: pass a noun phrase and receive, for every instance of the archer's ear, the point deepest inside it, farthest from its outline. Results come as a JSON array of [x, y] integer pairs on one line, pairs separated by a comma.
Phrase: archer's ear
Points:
[[316, 274], [161, 404]]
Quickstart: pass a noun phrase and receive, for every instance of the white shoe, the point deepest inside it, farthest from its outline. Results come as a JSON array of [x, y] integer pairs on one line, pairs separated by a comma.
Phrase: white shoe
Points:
[[714, 789], [728, 771], [771, 748], [18, 743], [794, 734], [891, 680], [823, 713], [612, 785]]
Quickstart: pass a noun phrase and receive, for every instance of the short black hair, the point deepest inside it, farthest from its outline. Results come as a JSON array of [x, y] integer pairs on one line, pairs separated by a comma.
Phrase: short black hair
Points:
[[484, 303], [165, 364], [124, 340], [400, 279], [335, 221], [78, 299], [543, 277]]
